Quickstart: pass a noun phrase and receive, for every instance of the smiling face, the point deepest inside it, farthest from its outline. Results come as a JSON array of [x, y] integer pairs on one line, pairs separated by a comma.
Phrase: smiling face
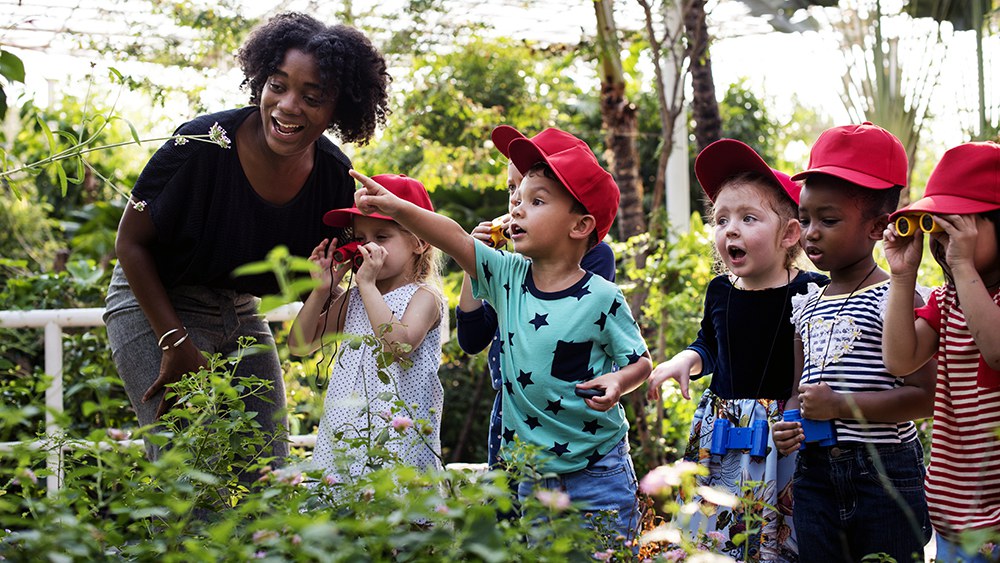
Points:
[[750, 236], [293, 106], [836, 233]]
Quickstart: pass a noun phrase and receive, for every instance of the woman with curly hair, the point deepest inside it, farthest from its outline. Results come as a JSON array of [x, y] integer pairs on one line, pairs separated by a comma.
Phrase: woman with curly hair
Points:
[[199, 210]]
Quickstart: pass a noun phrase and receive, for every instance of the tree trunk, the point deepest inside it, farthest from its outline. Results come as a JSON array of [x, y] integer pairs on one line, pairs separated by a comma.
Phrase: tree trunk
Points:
[[618, 116], [704, 106]]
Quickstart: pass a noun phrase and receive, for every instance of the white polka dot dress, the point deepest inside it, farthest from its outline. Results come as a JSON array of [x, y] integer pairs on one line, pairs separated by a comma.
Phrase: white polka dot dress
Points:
[[356, 399]]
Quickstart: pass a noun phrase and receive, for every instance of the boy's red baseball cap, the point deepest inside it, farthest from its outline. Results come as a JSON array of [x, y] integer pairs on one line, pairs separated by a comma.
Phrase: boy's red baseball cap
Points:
[[865, 154], [573, 163], [726, 158], [966, 180], [402, 186]]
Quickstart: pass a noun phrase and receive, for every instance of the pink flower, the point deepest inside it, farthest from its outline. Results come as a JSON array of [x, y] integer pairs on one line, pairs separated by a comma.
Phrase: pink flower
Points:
[[330, 480], [716, 536], [289, 477], [29, 475], [261, 536], [554, 500], [604, 555], [117, 434], [675, 555], [401, 423], [296, 539], [441, 509]]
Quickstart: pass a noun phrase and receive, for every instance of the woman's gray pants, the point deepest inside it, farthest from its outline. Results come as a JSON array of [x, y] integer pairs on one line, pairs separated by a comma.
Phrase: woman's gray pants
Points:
[[215, 320]]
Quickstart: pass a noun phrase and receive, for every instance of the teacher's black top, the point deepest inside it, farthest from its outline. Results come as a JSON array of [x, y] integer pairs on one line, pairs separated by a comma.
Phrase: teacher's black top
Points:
[[747, 333], [209, 220]]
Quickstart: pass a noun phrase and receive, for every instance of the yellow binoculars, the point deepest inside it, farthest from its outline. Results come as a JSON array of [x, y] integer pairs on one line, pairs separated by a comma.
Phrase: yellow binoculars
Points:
[[498, 236], [907, 225]]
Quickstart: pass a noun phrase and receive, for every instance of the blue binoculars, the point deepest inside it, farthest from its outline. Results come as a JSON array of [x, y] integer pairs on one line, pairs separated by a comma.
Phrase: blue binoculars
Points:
[[819, 431], [726, 437]]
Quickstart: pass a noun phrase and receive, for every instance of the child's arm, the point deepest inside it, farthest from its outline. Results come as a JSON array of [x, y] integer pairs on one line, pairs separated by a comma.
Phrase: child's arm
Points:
[[422, 312], [981, 313], [474, 328], [437, 230], [618, 383], [788, 435], [906, 344], [915, 399], [680, 368], [311, 323]]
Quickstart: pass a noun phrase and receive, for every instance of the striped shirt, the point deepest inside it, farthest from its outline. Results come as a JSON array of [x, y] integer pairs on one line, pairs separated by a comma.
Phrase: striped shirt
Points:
[[842, 347], [963, 481]]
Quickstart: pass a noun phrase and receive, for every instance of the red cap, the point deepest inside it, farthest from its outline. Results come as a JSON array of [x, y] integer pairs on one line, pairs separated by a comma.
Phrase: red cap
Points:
[[726, 158], [865, 154], [573, 163], [966, 180], [404, 187]]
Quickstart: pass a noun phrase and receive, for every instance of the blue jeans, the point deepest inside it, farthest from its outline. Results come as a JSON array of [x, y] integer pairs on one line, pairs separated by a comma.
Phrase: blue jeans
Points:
[[606, 487], [951, 552], [852, 500]]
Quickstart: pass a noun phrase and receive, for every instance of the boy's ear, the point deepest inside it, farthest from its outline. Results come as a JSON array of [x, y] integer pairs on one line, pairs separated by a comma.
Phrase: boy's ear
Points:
[[878, 226], [792, 234], [583, 226]]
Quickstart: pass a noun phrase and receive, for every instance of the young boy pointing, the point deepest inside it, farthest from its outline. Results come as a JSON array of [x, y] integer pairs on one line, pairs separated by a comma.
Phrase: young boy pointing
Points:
[[564, 326]]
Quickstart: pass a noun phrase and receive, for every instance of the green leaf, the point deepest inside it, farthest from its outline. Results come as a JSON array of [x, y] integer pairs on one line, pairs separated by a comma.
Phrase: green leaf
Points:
[[48, 135], [114, 72], [11, 67], [252, 268], [383, 377], [61, 177]]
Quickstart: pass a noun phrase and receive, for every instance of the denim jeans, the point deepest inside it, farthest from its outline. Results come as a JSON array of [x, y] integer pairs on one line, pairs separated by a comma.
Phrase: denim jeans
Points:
[[605, 488], [215, 319], [952, 552], [852, 500]]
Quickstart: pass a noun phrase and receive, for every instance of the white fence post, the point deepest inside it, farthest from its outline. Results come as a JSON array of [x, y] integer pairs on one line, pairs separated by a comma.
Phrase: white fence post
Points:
[[54, 404]]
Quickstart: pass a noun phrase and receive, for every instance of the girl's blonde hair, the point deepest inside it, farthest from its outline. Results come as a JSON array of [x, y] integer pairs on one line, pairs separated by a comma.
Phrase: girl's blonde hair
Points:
[[427, 269], [776, 199]]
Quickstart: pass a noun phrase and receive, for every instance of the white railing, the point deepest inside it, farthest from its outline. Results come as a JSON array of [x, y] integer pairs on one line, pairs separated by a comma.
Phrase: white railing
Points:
[[53, 321]]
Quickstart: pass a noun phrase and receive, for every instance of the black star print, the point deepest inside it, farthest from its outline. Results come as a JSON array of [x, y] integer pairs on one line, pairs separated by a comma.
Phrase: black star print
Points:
[[486, 272], [506, 286], [601, 321], [524, 287], [539, 321], [524, 379], [508, 434], [500, 344], [509, 386], [633, 357], [594, 458], [592, 426], [510, 339], [580, 293], [532, 422], [614, 307], [555, 407], [559, 449]]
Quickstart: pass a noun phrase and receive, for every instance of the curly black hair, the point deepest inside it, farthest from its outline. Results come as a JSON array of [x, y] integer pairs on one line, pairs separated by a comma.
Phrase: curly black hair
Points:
[[352, 70]]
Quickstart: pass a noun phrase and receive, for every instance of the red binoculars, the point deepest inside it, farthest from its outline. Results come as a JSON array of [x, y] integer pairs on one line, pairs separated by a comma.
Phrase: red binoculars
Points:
[[349, 253]]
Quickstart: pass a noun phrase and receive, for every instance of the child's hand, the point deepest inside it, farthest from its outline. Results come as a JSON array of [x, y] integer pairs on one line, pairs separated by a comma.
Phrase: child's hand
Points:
[[787, 436], [668, 370], [482, 232], [329, 274], [374, 256], [611, 383], [960, 241], [373, 197], [819, 402], [902, 253]]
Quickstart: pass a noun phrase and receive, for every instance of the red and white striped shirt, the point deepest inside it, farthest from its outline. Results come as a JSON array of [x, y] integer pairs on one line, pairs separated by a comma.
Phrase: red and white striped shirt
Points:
[[963, 481]]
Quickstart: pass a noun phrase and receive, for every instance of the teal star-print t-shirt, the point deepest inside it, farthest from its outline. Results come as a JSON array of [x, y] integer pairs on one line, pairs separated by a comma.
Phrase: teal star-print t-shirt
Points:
[[549, 343]]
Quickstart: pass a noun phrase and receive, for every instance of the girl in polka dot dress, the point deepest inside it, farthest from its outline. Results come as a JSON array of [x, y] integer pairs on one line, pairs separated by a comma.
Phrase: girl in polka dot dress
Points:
[[397, 285]]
